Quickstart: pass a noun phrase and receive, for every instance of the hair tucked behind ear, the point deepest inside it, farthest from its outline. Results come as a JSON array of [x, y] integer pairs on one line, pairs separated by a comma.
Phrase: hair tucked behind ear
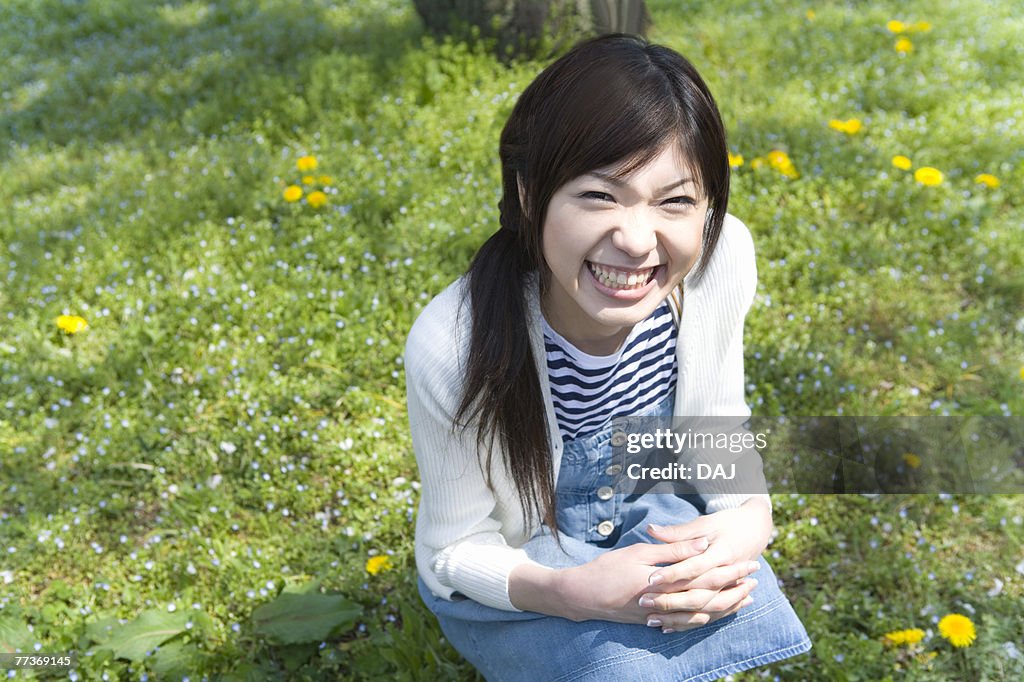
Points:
[[611, 101]]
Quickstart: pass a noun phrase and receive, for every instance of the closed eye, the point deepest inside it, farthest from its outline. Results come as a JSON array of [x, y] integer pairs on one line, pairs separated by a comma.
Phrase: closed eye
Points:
[[597, 196], [682, 201]]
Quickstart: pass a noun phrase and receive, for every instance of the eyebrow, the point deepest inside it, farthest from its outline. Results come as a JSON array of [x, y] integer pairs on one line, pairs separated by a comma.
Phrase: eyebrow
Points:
[[619, 183]]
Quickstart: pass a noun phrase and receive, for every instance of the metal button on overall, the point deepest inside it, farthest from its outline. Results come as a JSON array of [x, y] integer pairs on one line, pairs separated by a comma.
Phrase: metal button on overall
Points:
[[605, 492], [618, 439], [605, 528], [613, 470]]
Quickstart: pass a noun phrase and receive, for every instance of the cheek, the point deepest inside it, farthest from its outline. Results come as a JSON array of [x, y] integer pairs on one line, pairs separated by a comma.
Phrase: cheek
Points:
[[560, 243], [688, 246]]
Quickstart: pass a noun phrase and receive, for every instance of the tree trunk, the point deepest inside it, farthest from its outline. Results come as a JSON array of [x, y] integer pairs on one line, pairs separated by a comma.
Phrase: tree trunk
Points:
[[532, 28]]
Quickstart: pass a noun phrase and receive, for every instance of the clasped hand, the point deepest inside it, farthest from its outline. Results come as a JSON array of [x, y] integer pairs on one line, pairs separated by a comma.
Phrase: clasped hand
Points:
[[700, 574]]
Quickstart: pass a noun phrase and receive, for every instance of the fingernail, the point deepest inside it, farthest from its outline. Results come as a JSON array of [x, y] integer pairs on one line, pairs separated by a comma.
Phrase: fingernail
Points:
[[752, 581], [753, 567], [654, 528], [747, 602], [653, 623], [701, 544], [655, 579], [665, 631], [646, 602]]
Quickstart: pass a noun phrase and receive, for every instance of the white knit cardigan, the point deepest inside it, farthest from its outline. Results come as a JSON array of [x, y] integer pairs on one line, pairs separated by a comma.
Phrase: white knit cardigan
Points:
[[468, 537]]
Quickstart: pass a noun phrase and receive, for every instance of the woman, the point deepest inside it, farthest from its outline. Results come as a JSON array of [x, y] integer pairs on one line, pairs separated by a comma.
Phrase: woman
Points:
[[615, 287]]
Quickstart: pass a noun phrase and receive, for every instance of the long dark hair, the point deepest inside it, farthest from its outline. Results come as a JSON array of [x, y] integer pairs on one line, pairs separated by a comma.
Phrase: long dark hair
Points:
[[615, 100]]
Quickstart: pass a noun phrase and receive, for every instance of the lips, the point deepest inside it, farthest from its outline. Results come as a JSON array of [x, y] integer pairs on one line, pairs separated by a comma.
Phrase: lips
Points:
[[615, 278]]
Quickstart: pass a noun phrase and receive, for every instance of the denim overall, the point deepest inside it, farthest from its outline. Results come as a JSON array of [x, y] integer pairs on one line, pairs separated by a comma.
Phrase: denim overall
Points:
[[592, 519]]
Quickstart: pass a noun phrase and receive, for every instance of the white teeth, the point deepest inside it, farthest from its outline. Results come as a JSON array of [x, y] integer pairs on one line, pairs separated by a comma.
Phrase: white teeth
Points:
[[618, 279]]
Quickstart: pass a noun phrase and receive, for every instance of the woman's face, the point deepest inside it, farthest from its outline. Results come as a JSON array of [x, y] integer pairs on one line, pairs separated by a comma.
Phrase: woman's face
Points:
[[617, 248]]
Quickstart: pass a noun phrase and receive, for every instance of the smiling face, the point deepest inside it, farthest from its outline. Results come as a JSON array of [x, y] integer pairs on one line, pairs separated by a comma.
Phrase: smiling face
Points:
[[615, 248]]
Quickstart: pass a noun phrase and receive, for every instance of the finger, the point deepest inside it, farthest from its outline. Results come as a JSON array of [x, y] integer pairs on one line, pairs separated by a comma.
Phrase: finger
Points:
[[688, 600], [717, 608], [709, 601], [725, 600], [670, 553], [679, 622], [694, 622], [693, 567], [677, 533], [715, 579]]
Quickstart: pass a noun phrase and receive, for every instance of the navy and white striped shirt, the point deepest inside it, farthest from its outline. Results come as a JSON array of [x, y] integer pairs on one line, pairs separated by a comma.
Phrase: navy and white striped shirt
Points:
[[589, 391]]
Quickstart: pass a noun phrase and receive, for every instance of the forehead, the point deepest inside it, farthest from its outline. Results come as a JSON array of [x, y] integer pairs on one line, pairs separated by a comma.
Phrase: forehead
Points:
[[668, 162]]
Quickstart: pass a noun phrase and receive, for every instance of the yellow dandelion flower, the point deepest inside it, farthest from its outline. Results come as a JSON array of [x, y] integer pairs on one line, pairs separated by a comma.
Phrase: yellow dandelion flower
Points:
[[735, 160], [901, 637], [929, 176], [988, 180], [292, 193], [306, 163], [811, 15], [71, 324], [921, 27], [895, 26], [904, 46], [850, 126], [1022, 373], [308, 179], [326, 179], [316, 199], [781, 162], [958, 629], [376, 564], [902, 162], [912, 460], [757, 163]]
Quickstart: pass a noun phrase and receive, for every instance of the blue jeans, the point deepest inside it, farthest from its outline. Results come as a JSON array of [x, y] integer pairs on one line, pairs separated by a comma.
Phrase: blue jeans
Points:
[[514, 646]]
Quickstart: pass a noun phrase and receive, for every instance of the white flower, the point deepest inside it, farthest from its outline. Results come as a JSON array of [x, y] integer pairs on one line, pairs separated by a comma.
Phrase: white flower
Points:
[[227, 448]]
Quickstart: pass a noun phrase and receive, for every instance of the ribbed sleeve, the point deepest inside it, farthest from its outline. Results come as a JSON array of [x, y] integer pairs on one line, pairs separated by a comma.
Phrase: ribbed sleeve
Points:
[[462, 534]]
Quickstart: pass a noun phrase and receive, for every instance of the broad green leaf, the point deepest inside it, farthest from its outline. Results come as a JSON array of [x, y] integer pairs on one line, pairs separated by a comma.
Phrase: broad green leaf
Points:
[[14, 636], [295, 618], [151, 629], [174, 660], [100, 631]]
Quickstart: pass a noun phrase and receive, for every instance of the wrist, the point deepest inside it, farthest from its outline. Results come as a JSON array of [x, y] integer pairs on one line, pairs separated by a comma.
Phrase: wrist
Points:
[[538, 588], [766, 527]]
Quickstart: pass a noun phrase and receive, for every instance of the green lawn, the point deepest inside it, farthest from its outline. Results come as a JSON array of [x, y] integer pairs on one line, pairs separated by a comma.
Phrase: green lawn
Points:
[[231, 424]]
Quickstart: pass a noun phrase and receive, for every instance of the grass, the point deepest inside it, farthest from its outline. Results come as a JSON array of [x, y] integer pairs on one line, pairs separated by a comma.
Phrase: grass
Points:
[[232, 422]]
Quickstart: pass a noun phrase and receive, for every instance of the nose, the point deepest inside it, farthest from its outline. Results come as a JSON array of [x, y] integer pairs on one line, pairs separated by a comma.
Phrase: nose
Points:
[[635, 236]]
